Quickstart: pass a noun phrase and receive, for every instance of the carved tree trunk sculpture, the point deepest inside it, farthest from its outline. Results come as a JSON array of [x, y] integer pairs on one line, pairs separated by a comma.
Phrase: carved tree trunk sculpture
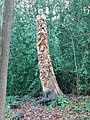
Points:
[[47, 76]]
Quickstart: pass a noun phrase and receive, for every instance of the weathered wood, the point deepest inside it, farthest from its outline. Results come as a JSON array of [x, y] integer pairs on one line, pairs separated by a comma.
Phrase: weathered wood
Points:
[[47, 76]]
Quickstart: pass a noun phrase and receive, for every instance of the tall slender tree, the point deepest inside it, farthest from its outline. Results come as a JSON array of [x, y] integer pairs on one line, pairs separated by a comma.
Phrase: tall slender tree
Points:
[[5, 40], [47, 76]]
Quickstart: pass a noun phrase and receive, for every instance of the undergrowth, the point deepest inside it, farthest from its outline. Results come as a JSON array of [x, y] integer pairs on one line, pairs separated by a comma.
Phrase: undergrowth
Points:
[[74, 107]]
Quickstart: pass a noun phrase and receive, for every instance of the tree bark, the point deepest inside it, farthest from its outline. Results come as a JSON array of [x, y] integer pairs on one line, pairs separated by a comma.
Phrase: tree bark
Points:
[[75, 64], [5, 40], [47, 76]]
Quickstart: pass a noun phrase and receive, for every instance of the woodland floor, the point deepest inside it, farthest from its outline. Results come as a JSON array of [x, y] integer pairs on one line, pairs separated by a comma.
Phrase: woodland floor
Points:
[[77, 108]]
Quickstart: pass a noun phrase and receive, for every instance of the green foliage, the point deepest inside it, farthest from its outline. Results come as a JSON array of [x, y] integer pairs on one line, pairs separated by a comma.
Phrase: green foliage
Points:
[[73, 105], [23, 76], [8, 112], [61, 101], [88, 106], [14, 117], [72, 32], [69, 38], [9, 99]]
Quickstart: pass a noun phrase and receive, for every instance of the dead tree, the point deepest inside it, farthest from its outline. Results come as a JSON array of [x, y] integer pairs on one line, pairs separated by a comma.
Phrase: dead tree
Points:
[[47, 76]]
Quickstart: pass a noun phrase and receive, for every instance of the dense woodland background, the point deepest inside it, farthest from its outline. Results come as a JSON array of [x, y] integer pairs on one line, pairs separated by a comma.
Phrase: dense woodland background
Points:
[[68, 25]]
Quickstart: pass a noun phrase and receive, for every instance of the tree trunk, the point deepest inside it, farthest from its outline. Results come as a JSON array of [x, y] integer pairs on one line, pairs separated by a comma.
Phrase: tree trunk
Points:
[[47, 76], [76, 68], [0, 48], [5, 40], [1, 16]]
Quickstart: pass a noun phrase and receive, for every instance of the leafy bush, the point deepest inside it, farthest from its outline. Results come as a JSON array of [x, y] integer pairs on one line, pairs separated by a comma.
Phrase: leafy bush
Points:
[[61, 101]]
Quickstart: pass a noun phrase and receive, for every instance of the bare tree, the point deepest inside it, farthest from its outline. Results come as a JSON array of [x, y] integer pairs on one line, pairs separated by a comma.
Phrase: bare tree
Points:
[[47, 76], [5, 40]]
